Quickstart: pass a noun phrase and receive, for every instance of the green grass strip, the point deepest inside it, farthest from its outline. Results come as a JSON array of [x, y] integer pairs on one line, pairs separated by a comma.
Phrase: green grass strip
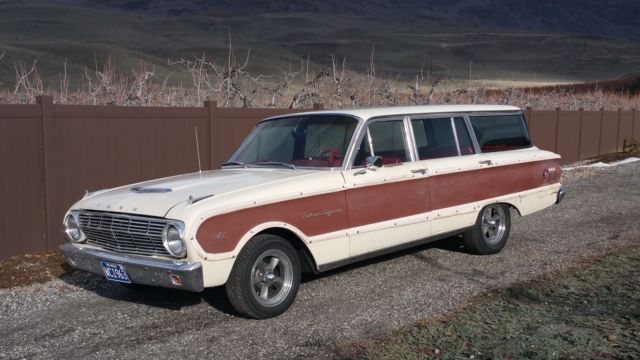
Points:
[[591, 312]]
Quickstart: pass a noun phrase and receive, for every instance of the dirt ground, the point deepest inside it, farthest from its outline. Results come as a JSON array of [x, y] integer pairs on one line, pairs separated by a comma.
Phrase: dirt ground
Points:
[[32, 269]]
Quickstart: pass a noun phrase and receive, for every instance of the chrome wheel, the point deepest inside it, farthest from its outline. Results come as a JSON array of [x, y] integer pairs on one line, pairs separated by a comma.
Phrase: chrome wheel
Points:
[[493, 224], [272, 276]]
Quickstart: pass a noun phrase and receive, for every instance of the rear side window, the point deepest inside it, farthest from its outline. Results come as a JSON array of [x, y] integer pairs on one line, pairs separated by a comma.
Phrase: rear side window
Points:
[[501, 132], [435, 137]]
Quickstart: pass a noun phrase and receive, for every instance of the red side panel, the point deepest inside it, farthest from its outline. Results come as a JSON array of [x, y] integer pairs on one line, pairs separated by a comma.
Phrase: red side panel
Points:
[[316, 215], [376, 203]]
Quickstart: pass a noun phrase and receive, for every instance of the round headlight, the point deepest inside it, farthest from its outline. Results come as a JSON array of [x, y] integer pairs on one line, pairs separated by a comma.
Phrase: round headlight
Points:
[[172, 240], [72, 228]]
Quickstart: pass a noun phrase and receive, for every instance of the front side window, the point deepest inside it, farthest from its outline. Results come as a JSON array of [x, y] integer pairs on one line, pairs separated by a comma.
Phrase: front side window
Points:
[[311, 141], [385, 139], [501, 132]]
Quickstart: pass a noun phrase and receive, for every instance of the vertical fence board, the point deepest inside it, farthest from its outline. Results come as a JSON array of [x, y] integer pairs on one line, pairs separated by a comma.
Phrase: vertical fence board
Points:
[[591, 124], [22, 223], [569, 136], [626, 122], [635, 131], [609, 132], [543, 129]]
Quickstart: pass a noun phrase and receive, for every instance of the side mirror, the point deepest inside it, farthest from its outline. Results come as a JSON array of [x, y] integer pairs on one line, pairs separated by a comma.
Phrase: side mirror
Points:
[[374, 162]]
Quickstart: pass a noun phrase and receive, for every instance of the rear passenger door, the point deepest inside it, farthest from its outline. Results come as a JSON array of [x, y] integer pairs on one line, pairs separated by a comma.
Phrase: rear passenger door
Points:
[[445, 147], [387, 205]]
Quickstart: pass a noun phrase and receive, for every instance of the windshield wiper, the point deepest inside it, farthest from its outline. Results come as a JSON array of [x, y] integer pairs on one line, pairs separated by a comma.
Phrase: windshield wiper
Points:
[[278, 163], [234, 163]]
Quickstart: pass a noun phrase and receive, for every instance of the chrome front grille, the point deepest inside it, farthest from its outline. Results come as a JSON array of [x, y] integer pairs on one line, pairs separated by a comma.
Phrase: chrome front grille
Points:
[[124, 233]]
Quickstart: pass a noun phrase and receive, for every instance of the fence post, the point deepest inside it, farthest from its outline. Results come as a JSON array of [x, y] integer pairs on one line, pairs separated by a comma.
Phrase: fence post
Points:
[[618, 134], [633, 124], [212, 106], [46, 116], [555, 149], [601, 131], [580, 111]]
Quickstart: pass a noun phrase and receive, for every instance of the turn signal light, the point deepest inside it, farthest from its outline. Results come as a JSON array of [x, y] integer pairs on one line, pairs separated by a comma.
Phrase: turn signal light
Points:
[[175, 280]]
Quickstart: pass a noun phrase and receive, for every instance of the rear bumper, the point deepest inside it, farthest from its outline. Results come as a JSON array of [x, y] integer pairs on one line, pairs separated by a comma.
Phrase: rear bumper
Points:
[[141, 270], [561, 194]]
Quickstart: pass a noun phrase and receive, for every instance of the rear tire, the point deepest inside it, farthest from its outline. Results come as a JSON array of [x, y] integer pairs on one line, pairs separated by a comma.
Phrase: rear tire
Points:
[[491, 231], [265, 278]]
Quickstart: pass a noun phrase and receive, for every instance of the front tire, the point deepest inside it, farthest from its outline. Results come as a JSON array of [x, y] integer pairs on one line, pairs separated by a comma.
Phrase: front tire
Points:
[[491, 231], [265, 278]]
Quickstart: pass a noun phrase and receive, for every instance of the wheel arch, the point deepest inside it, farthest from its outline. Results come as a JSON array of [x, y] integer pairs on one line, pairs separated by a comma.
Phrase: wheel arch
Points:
[[511, 205], [307, 261]]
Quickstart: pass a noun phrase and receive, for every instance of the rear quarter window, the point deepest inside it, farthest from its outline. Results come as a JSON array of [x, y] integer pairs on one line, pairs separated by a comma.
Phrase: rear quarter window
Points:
[[501, 132]]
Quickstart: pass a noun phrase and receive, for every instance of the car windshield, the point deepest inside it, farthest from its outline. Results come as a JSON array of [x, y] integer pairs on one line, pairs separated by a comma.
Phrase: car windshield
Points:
[[299, 141]]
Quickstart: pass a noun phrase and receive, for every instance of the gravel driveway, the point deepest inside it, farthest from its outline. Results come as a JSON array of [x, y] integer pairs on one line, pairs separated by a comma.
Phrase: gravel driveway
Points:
[[83, 316]]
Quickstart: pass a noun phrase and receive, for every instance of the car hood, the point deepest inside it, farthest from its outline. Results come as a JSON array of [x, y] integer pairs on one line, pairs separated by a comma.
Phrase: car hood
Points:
[[157, 197]]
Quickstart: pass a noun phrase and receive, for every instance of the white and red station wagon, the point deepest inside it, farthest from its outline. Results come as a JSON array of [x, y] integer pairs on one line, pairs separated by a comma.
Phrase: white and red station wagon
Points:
[[314, 191]]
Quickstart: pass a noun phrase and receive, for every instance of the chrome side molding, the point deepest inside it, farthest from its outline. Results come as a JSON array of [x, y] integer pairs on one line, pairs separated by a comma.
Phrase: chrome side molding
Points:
[[144, 190]]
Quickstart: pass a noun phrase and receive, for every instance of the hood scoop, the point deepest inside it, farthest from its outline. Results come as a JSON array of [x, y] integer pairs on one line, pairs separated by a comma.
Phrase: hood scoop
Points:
[[150, 190]]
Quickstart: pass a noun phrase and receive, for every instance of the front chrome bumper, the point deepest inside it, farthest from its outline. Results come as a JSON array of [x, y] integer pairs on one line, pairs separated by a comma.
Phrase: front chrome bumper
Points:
[[141, 270], [561, 194]]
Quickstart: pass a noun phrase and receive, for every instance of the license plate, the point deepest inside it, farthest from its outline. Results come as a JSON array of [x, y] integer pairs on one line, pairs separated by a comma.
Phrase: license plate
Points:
[[115, 272]]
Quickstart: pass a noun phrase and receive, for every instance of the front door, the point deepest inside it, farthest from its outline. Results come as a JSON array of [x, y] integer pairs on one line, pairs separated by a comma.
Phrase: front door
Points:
[[387, 205]]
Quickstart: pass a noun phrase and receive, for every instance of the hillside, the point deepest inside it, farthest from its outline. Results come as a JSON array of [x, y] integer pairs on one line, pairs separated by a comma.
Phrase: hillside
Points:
[[616, 18], [510, 40]]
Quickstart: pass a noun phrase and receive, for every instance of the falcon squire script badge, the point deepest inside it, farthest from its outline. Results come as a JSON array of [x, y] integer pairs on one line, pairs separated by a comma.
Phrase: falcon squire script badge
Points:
[[325, 212]]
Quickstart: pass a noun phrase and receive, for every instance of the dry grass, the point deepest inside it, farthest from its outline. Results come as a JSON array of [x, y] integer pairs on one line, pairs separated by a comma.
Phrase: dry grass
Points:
[[588, 312], [231, 85]]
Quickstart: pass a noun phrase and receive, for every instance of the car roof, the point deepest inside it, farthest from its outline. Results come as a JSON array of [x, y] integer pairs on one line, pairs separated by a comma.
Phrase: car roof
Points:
[[368, 113]]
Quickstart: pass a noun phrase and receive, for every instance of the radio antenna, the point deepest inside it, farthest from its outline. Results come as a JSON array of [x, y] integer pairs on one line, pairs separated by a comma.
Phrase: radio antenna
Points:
[[195, 128]]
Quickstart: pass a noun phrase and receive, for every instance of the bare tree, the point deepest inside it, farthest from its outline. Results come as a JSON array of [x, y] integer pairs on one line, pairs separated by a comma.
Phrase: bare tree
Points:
[[63, 91], [106, 85], [1, 57], [139, 91], [280, 89], [28, 80], [235, 82], [199, 68], [308, 94], [371, 76], [337, 76]]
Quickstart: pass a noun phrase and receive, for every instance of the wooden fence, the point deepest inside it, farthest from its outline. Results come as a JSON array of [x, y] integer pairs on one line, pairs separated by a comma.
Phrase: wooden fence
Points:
[[50, 154]]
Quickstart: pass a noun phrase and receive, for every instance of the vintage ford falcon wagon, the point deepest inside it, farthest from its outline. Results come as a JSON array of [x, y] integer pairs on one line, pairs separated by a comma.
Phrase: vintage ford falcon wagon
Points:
[[314, 191]]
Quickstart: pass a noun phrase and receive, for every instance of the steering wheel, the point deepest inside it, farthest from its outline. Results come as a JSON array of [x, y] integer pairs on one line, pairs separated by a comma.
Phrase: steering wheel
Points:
[[330, 155]]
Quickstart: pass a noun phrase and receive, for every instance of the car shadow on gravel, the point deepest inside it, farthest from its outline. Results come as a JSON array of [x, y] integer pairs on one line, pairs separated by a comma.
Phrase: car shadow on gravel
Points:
[[453, 244], [140, 294], [216, 297]]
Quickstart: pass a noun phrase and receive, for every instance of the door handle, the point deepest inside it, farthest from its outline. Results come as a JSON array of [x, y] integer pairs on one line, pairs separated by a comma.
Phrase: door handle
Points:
[[419, 171], [486, 162]]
